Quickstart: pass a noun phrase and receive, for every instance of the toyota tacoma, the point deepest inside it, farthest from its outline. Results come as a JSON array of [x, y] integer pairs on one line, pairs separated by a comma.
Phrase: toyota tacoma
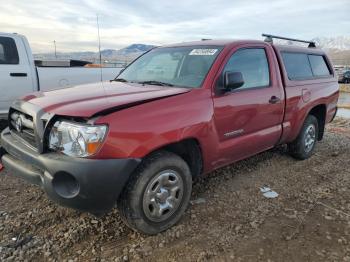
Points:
[[176, 113]]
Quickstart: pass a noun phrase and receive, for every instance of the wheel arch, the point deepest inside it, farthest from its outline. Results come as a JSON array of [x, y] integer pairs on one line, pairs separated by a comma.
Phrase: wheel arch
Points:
[[190, 150], [320, 112]]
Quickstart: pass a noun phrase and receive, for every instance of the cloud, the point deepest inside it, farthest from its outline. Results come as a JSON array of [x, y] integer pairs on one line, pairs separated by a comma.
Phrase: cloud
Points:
[[73, 23]]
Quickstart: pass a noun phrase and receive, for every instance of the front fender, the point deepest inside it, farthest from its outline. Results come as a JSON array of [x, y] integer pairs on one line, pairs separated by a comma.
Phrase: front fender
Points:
[[141, 129]]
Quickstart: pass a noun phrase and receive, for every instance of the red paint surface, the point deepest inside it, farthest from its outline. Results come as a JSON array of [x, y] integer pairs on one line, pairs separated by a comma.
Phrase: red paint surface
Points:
[[87, 100]]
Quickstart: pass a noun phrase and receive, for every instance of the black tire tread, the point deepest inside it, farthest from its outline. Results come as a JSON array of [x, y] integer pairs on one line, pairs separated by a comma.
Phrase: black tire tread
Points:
[[130, 189], [296, 148]]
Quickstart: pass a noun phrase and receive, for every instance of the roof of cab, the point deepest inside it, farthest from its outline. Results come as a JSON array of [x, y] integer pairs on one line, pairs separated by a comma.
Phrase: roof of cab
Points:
[[10, 34], [299, 49], [223, 42], [226, 42]]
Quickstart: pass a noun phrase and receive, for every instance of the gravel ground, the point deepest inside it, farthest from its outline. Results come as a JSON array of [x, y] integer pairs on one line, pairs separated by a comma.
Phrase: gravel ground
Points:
[[229, 218]]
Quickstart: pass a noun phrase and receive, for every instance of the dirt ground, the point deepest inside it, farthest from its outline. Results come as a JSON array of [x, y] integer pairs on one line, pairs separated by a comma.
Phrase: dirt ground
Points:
[[229, 219]]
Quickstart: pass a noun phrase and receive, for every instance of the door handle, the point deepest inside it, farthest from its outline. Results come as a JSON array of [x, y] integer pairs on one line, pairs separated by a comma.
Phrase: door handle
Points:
[[18, 74], [274, 100]]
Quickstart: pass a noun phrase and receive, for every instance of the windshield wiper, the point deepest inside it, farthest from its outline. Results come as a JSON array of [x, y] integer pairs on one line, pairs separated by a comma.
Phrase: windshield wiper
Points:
[[154, 82], [119, 80]]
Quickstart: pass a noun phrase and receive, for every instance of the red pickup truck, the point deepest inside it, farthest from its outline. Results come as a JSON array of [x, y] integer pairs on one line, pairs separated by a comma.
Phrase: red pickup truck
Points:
[[177, 112]]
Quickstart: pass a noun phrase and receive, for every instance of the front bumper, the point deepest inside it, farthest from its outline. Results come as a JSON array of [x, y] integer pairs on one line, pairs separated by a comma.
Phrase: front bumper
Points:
[[91, 185]]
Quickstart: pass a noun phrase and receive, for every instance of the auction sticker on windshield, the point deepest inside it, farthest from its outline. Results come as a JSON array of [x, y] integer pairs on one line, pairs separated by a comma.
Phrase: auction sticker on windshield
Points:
[[203, 52]]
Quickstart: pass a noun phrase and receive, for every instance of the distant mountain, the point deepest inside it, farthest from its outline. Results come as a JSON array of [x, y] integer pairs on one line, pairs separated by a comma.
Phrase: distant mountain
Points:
[[338, 48], [135, 48], [125, 54], [339, 43], [328, 43], [108, 52]]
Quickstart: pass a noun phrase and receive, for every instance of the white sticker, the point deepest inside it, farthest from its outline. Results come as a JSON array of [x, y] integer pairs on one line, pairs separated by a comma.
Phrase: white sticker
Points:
[[203, 52]]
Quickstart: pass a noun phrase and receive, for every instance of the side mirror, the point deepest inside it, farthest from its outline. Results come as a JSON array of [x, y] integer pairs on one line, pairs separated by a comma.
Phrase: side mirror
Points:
[[233, 80]]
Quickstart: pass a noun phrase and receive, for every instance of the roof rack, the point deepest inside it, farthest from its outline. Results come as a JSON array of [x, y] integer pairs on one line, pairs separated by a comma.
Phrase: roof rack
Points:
[[269, 39]]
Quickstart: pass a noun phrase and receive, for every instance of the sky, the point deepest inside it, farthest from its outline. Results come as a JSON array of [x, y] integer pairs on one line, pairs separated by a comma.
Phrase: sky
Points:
[[72, 24]]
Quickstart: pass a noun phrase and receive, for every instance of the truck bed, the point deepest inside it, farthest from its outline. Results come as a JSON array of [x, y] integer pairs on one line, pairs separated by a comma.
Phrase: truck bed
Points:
[[63, 77]]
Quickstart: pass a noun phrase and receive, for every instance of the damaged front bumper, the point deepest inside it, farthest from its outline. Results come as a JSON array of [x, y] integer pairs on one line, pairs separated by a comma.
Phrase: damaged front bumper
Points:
[[92, 185]]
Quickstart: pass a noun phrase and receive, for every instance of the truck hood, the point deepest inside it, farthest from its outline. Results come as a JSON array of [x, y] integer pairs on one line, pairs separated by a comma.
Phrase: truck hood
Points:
[[93, 99]]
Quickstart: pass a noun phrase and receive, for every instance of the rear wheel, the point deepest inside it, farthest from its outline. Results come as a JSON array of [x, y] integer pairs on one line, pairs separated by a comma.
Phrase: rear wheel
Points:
[[157, 194], [304, 145]]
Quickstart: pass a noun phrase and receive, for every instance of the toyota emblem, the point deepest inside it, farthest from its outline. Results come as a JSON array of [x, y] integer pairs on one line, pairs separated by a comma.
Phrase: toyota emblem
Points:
[[18, 124]]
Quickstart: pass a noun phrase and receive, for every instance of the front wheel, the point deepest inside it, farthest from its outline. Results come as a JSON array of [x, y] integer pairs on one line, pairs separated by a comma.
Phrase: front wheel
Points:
[[157, 194], [304, 145]]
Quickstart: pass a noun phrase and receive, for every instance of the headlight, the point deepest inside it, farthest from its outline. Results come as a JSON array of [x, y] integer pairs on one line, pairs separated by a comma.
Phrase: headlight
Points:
[[74, 139]]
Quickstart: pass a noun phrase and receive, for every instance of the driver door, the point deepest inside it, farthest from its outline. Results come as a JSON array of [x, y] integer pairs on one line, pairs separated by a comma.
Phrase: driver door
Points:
[[15, 72], [248, 119]]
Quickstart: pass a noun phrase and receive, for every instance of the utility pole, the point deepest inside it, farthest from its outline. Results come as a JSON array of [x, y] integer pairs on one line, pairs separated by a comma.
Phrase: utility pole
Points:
[[99, 45], [54, 42], [99, 39]]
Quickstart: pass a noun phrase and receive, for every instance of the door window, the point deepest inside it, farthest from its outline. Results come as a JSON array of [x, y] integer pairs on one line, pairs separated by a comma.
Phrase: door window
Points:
[[297, 66], [253, 64], [302, 66], [319, 66], [8, 51]]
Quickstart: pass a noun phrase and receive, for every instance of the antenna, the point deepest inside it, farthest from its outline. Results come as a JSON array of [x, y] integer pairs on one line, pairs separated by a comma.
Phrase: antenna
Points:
[[99, 44], [54, 42]]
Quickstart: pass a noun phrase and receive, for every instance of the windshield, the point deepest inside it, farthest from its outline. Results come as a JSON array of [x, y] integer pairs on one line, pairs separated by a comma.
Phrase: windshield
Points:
[[168, 66]]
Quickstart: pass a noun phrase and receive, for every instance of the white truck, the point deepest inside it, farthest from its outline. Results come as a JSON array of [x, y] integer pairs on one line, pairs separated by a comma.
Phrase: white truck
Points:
[[20, 76]]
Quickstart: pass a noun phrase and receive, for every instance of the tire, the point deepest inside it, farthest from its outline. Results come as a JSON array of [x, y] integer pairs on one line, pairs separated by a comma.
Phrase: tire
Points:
[[304, 145], [157, 194]]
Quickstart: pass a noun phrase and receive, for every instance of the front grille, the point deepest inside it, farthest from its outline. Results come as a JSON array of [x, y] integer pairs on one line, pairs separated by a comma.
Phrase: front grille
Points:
[[28, 123], [23, 126]]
